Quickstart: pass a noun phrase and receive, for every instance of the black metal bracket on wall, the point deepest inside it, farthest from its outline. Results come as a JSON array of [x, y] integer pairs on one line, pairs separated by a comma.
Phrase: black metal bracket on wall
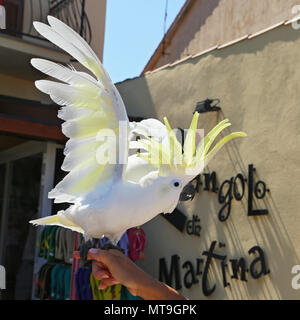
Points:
[[176, 218]]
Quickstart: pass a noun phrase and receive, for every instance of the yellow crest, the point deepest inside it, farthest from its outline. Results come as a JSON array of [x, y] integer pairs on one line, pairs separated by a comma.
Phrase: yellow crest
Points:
[[189, 159]]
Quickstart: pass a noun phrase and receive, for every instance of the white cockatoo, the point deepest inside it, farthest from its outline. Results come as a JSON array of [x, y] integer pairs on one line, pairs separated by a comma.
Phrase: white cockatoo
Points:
[[109, 189]]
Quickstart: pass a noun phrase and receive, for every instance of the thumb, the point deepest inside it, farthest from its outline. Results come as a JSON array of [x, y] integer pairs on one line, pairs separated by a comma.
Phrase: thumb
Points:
[[97, 254]]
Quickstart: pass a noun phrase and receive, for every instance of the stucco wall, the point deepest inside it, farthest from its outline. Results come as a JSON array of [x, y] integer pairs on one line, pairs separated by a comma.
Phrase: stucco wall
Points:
[[213, 22], [257, 82]]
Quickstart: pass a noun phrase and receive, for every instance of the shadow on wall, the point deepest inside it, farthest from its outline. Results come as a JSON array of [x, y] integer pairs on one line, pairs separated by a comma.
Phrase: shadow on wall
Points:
[[173, 92], [282, 253], [268, 231], [137, 98]]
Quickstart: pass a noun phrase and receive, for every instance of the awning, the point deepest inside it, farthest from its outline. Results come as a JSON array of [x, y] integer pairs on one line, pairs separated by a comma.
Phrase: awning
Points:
[[30, 118]]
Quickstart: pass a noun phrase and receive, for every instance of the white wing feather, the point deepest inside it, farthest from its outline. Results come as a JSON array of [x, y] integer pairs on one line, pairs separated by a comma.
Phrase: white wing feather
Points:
[[88, 105]]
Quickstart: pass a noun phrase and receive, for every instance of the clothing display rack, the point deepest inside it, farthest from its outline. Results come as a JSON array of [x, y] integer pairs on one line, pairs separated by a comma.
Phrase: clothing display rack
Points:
[[63, 277]]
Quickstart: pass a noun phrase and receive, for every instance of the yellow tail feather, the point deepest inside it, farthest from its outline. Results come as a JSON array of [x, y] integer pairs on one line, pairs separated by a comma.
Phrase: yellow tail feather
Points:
[[57, 220]]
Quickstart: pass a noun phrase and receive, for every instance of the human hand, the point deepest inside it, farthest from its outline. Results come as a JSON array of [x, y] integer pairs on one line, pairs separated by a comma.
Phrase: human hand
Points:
[[113, 267]]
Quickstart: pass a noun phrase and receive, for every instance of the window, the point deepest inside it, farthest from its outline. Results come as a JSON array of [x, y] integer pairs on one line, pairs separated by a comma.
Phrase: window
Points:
[[14, 17]]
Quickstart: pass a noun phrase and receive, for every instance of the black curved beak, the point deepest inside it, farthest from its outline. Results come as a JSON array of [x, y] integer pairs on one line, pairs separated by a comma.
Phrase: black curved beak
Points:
[[188, 192]]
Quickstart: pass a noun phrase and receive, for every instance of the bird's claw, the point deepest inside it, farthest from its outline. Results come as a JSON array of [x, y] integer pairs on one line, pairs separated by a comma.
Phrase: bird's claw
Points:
[[95, 243], [109, 245]]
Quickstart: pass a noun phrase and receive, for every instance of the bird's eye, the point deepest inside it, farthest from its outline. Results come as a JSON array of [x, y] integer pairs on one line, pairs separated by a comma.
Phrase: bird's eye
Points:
[[176, 183]]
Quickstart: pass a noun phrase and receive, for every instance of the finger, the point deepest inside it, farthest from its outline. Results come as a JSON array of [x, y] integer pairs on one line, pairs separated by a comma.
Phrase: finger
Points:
[[96, 265], [132, 291], [102, 285], [109, 282], [99, 265], [116, 252], [92, 254], [96, 254], [100, 273]]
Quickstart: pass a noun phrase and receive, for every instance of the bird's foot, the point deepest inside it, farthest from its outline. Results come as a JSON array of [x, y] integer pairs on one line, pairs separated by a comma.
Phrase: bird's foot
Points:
[[109, 245], [84, 249], [95, 243]]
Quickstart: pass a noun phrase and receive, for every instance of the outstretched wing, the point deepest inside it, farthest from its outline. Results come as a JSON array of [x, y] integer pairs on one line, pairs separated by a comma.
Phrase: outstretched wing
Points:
[[92, 108]]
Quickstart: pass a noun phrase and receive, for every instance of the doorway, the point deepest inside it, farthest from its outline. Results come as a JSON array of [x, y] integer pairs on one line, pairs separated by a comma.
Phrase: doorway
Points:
[[26, 176]]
